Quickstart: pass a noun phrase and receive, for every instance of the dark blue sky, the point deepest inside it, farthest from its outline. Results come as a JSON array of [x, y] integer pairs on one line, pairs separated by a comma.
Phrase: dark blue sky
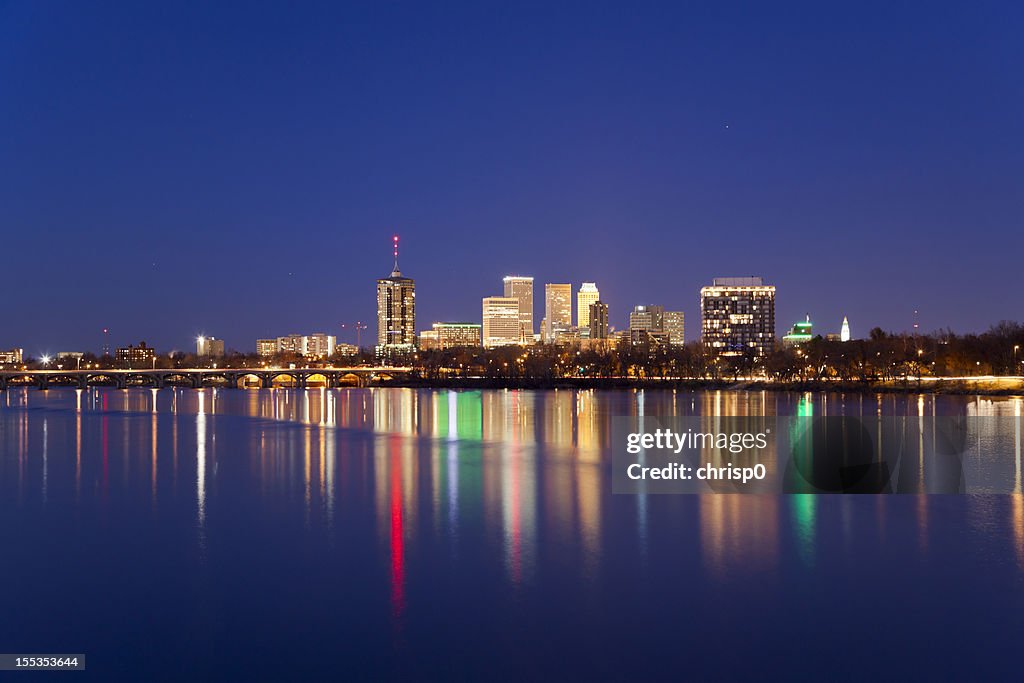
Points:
[[239, 169]]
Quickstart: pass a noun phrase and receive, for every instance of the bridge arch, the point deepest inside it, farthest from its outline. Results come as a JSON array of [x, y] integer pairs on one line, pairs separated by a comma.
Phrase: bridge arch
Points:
[[178, 379], [248, 380], [65, 381], [350, 379], [102, 379], [142, 380], [317, 379], [284, 380], [215, 380]]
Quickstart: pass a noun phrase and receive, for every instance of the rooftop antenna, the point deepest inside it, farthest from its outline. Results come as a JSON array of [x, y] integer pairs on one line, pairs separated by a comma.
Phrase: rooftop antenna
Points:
[[396, 272]]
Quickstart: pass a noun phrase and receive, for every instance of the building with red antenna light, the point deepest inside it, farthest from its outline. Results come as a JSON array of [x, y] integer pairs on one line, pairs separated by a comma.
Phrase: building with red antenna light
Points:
[[396, 312]]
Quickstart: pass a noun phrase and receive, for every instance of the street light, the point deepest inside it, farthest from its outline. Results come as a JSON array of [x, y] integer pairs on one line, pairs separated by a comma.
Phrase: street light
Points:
[[46, 360]]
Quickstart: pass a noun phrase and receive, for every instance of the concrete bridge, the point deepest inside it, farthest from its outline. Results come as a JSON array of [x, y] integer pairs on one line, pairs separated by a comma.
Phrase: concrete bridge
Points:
[[197, 378]]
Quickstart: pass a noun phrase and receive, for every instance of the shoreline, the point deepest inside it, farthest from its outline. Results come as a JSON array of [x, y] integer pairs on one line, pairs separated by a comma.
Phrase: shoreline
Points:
[[981, 386]]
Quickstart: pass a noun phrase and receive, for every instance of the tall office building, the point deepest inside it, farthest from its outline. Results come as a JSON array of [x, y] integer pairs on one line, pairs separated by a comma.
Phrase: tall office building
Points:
[[557, 310], [396, 311], [521, 288], [501, 321], [647, 325], [844, 332], [738, 316], [598, 314], [647, 318], [674, 327], [587, 295]]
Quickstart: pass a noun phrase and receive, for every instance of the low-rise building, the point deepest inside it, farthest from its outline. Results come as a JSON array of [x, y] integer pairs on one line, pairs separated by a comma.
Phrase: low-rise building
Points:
[[266, 347], [343, 349], [800, 333], [452, 335], [70, 359], [316, 345], [136, 357], [209, 346], [427, 340], [11, 357]]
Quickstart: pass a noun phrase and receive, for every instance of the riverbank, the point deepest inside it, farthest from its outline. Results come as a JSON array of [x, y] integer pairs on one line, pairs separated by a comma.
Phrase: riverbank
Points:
[[985, 386]]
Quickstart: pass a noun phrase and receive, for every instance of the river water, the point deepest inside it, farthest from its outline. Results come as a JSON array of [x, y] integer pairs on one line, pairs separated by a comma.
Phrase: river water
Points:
[[380, 534]]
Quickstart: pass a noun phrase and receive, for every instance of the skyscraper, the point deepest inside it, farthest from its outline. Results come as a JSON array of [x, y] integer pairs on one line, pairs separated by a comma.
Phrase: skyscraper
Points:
[[587, 295], [521, 288], [647, 318], [844, 332], [674, 327], [738, 316], [396, 311], [647, 325], [598, 320], [501, 322], [557, 310]]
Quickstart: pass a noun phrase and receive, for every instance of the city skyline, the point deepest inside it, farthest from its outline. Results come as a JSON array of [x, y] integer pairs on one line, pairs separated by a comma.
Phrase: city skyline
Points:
[[164, 192], [396, 319]]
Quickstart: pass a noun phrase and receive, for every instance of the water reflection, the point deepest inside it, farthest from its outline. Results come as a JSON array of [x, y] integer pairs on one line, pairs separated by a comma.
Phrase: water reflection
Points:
[[516, 482], [740, 533], [803, 507], [201, 460]]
